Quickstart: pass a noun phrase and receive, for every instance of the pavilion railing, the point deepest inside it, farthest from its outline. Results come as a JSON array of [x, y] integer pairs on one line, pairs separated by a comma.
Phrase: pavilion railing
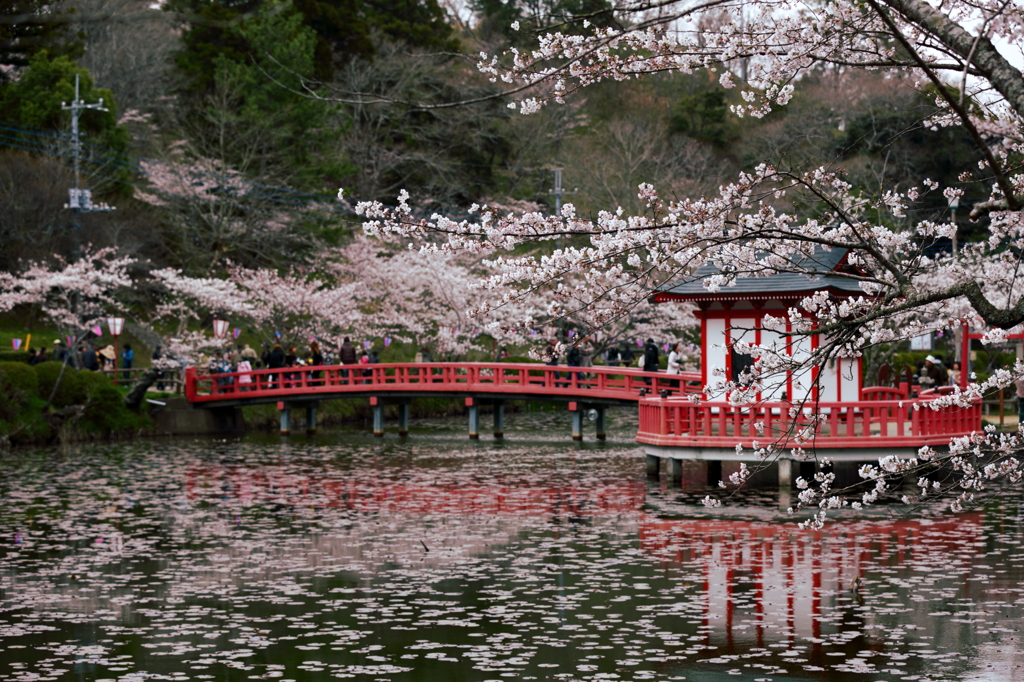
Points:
[[865, 423]]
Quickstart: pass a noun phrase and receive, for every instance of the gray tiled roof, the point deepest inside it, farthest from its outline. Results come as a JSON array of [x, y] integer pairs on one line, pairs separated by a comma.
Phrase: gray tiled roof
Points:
[[772, 286]]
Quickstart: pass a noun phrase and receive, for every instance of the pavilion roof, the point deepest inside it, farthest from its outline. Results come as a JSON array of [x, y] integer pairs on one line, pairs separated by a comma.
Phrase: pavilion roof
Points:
[[775, 286]]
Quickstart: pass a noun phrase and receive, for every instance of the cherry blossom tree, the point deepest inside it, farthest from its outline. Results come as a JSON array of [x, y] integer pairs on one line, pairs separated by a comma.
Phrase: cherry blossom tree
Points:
[[73, 296], [294, 307], [772, 219], [429, 298]]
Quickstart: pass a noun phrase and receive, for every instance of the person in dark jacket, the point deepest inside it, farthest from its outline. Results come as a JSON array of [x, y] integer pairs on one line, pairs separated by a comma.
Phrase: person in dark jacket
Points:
[[347, 356], [89, 360], [275, 360], [650, 358]]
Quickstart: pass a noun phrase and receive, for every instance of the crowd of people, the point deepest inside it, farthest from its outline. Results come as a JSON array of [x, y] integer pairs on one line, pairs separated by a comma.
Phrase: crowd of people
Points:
[[86, 355]]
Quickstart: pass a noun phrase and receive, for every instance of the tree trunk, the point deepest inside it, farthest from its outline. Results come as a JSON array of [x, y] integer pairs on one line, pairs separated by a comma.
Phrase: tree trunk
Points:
[[138, 392]]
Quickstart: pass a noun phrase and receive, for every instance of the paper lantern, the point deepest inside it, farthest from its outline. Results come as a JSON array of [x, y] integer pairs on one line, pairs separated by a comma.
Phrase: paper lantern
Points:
[[220, 328], [115, 325]]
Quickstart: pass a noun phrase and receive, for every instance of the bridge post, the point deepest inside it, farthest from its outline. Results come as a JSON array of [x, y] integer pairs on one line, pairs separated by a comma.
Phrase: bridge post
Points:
[[653, 466], [285, 412], [499, 418], [577, 421], [378, 417], [403, 418], [474, 419], [676, 469], [600, 422], [311, 419]]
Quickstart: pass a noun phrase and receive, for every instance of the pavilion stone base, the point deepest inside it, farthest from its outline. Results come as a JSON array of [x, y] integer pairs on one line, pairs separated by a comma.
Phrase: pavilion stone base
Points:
[[697, 468]]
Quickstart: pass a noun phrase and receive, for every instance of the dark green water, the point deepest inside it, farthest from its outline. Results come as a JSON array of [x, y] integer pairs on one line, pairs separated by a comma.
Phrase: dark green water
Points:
[[437, 558]]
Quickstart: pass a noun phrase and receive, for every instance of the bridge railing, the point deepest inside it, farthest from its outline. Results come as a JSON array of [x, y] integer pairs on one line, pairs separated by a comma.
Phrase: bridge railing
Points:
[[441, 377], [878, 423]]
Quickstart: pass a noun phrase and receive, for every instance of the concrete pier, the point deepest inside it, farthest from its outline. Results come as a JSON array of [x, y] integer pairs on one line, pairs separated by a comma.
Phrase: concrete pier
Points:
[[499, 419], [577, 421], [653, 466], [311, 419], [676, 470], [474, 419], [785, 473], [285, 412], [403, 418], [378, 417]]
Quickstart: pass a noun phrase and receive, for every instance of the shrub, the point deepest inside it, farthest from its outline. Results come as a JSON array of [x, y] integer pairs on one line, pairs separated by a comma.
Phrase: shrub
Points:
[[13, 356], [70, 391], [105, 410], [18, 381]]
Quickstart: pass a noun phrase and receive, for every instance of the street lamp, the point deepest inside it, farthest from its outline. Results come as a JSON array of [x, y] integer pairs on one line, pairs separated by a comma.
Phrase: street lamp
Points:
[[115, 325], [954, 202], [220, 328]]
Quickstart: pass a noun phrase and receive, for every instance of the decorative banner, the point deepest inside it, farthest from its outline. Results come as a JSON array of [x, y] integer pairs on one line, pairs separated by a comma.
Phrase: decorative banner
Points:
[[16, 343], [387, 341], [475, 332], [665, 346], [71, 340], [236, 332], [640, 342], [277, 335], [571, 333], [366, 345], [97, 330], [28, 341]]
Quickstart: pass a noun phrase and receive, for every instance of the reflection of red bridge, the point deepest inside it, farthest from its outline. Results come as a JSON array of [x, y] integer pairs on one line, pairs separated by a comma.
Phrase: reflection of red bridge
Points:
[[275, 485], [760, 578], [495, 382]]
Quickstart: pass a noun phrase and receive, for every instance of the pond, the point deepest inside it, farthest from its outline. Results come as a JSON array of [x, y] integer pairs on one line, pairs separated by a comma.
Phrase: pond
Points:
[[439, 558]]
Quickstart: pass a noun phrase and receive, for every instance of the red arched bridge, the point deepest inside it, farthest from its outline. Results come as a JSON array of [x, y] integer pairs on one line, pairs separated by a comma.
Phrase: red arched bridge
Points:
[[582, 388]]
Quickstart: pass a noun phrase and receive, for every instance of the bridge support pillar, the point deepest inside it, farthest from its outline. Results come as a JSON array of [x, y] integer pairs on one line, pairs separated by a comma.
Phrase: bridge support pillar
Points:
[[285, 412], [499, 418], [403, 419], [653, 466], [785, 473], [577, 421], [600, 422], [378, 417], [676, 470], [474, 419], [714, 473], [311, 419]]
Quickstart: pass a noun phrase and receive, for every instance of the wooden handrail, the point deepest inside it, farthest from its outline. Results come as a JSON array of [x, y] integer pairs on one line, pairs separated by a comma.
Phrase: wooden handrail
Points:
[[617, 383]]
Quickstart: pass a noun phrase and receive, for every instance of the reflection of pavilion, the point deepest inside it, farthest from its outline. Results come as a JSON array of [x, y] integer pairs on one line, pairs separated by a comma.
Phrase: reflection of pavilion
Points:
[[770, 581]]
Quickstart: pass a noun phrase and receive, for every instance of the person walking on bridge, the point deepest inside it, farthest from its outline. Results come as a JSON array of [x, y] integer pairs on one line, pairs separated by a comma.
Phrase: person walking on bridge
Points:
[[650, 358], [275, 360], [346, 356]]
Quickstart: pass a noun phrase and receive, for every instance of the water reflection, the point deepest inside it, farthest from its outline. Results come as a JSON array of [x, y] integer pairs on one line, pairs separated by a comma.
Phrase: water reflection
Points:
[[459, 561]]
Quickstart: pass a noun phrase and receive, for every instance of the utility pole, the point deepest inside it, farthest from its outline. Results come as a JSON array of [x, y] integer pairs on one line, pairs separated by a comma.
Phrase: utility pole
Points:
[[558, 191], [80, 200]]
